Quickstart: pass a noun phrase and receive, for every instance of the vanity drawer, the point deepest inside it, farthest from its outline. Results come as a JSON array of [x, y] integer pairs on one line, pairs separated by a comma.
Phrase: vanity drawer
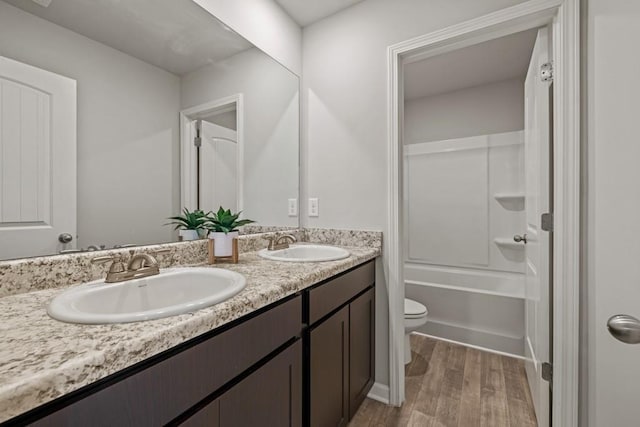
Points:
[[163, 391], [328, 296]]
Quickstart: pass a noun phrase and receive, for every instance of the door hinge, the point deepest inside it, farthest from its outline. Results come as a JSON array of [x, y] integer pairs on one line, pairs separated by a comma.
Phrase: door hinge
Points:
[[547, 371], [546, 72], [197, 140], [546, 221]]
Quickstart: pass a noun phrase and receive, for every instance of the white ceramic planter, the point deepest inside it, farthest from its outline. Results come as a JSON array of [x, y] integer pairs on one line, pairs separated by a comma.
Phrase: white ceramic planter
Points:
[[223, 242], [187, 235]]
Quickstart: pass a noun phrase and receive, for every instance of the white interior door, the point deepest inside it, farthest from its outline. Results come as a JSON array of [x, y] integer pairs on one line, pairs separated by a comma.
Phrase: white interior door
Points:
[[218, 168], [537, 248], [614, 212], [37, 160]]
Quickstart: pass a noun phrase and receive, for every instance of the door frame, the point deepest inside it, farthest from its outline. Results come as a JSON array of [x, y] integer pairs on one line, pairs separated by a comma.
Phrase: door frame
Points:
[[563, 18], [188, 158]]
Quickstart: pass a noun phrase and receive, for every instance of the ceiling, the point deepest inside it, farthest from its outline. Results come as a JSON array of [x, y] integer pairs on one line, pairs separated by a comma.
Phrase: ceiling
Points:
[[176, 35], [306, 12], [496, 60]]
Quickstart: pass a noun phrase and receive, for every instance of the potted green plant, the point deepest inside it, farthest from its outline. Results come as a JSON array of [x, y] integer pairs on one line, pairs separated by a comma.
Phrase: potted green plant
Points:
[[189, 224], [223, 228]]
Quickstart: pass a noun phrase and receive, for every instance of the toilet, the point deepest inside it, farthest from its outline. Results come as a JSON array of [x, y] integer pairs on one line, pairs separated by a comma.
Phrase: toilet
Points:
[[415, 315]]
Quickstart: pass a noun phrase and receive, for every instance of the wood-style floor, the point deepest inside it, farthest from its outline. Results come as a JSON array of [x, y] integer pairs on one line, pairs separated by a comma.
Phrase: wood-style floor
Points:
[[451, 385]]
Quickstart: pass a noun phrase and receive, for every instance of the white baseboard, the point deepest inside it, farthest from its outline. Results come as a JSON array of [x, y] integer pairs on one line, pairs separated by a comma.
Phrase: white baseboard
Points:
[[379, 392]]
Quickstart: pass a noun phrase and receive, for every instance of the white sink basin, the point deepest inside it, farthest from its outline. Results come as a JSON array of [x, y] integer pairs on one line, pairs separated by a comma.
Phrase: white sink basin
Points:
[[305, 253], [173, 291]]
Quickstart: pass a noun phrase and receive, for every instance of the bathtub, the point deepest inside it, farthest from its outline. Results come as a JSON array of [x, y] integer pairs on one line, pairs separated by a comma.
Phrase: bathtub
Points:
[[480, 308]]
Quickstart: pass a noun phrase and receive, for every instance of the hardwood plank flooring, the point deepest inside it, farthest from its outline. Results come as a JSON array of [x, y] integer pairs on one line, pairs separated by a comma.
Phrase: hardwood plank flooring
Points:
[[450, 385]]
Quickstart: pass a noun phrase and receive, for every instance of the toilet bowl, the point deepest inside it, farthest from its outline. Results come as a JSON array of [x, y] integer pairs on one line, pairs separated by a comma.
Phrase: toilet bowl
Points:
[[415, 315]]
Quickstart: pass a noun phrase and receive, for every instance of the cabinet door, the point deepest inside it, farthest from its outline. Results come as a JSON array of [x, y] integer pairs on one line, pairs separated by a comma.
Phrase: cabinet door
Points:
[[361, 349], [329, 371], [271, 396], [209, 416]]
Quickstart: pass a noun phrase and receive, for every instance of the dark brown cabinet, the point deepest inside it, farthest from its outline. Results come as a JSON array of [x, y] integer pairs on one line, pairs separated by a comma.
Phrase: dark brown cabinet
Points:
[[341, 341], [362, 349], [271, 396], [329, 367]]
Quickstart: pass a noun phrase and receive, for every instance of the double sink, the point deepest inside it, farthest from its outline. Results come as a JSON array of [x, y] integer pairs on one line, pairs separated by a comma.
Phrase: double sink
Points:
[[174, 291]]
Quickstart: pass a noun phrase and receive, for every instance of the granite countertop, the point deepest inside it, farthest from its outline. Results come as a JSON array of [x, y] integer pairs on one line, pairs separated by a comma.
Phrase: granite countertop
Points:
[[42, 359]]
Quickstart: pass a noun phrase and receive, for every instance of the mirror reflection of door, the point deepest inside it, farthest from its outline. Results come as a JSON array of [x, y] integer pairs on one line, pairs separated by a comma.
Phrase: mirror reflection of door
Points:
[[37, 160], [218, 162]]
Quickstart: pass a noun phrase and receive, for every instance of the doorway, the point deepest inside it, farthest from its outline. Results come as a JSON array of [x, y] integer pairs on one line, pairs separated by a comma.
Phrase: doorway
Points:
[[212, 148], [560, 17]]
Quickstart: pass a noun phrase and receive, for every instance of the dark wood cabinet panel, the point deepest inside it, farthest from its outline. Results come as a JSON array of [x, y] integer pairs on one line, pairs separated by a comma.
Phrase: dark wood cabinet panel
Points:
[[327, 297], [271, 396], [361, 349], [341, 347], [329, 371], [209, 416], [163, 391]]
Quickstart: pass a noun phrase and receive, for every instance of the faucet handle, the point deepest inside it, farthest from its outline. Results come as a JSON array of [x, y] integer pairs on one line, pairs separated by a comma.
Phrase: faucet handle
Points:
[[272, 241], [117, 266], [102, 259]]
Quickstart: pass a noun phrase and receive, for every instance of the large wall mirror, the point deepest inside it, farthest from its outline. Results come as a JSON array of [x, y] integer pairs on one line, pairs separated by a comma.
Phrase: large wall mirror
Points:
[[116, 115]]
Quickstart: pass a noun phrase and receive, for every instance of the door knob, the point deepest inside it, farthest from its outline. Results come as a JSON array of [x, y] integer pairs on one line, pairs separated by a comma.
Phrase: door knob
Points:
[[624, 328], [518, 238], [65, 238]]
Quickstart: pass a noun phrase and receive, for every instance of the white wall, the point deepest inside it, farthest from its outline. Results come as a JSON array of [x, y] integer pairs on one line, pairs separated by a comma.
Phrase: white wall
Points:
[[271, 130], [127, 129], [344, 137], [481, 110], [265, 24]]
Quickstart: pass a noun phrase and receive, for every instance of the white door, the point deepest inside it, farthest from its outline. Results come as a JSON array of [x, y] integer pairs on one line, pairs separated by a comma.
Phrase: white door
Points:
[[218, 182], [613, 264], [537, 248], [37, 160]]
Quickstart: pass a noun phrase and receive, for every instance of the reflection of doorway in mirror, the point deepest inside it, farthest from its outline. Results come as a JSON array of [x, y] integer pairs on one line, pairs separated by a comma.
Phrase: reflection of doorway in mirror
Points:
[[218, 170], [212, 155]]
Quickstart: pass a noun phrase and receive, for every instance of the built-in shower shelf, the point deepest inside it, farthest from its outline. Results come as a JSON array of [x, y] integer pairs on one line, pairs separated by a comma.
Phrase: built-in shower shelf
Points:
[[508, 243], [509, 197], [511, 201]]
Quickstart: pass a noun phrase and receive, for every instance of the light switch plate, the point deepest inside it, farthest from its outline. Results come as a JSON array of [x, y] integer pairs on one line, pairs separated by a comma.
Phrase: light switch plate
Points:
[[292, 207], [313, 207]]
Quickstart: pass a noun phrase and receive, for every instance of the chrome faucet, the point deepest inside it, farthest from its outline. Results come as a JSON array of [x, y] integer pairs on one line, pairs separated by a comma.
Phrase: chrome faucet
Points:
[[281, 242], [139, 265]]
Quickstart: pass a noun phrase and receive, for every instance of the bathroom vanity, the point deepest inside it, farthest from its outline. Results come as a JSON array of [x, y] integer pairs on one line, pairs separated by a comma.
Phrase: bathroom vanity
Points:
[[306, 357]]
